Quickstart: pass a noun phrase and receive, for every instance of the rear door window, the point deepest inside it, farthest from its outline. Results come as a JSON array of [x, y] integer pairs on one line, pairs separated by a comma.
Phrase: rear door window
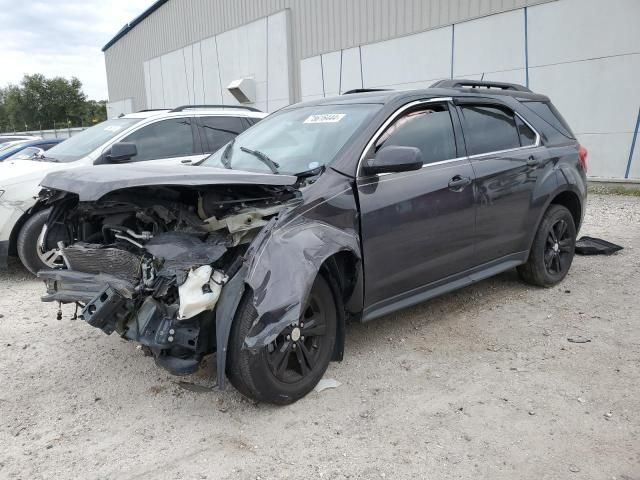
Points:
[[216, 132], [527, 136], [489, 128], [164, 139], [428, 129]]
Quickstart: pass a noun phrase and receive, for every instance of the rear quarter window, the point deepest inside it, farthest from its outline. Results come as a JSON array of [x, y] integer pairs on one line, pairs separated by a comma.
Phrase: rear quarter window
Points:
[[548, 112], [252, 120]]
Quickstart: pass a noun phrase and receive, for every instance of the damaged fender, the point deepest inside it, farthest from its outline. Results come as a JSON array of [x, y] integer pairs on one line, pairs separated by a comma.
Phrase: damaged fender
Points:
[[283, 262], [284, 269], [280, 268]]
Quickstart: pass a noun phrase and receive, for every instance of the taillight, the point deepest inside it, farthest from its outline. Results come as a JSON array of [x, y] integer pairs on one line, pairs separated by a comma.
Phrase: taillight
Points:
[[582, 153]]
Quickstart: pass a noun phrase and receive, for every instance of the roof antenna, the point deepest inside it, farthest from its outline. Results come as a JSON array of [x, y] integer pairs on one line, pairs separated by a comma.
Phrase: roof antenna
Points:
[[482, 77]]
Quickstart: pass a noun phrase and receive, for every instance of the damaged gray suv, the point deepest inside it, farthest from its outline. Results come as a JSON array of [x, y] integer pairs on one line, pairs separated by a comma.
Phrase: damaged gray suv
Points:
[[341, 209]]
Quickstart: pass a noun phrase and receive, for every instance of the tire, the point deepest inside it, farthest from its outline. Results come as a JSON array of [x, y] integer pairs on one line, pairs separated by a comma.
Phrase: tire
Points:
[[552, 250], [256, 374], [27, 245]]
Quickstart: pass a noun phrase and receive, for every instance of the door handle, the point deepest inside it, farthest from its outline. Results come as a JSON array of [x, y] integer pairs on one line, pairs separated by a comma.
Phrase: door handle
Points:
[[532, 161], [458, 183]]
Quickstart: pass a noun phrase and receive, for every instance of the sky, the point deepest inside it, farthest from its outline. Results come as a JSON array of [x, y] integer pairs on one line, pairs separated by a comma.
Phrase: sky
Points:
[[61, 38]]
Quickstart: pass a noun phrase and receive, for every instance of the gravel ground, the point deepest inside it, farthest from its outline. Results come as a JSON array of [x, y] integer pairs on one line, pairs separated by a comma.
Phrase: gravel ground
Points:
[[481, 383]]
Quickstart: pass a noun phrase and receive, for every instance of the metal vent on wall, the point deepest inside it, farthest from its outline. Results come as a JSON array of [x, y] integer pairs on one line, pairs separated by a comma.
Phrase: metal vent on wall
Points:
[[243, 90]]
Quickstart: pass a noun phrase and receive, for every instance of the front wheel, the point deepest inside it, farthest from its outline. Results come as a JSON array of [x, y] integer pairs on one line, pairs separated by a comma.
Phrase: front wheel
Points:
[[31, 256], [552, 250], [290, 367]]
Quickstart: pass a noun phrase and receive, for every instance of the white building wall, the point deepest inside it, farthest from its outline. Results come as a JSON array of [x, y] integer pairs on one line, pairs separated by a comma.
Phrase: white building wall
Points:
[[492, 46], [414, 61], [583, 54], [199, 73], [121, 107]]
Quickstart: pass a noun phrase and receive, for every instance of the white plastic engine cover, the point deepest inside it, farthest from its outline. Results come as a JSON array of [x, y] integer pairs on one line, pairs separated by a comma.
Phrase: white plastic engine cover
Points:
[[193, 300]]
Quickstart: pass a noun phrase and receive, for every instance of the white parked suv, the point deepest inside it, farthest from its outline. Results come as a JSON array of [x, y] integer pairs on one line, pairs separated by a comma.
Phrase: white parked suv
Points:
[[183, 135]]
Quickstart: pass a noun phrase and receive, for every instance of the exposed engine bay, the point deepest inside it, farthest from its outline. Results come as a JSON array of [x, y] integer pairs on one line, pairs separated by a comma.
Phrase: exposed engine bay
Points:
[[150, 263]]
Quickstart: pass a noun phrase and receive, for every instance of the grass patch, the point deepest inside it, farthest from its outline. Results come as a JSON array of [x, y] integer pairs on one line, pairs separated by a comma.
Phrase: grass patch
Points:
[[614, 190]]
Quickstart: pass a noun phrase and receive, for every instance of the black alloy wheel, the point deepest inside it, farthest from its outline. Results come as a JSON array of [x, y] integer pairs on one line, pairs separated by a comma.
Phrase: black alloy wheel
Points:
[[559, 248], [552, 249], [289, 367], [295, 353]]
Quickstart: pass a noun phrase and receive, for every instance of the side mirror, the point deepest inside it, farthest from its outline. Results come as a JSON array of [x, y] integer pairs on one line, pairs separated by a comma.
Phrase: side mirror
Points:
[[122, 152], [394, 159]]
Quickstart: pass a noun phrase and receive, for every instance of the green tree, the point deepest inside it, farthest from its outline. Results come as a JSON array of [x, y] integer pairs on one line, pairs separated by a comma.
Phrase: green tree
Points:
[[12, 106], [4, 119], [42, 103], [94, 112]]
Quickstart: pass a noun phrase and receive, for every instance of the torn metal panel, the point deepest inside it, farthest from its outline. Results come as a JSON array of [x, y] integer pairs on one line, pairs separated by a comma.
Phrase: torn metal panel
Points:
[[288, 254], [283, 271], [245, 220], [181, 251]]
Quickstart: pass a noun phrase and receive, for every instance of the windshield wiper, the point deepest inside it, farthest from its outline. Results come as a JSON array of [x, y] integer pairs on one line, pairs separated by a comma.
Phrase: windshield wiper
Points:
[[49, 159], [273, 166]]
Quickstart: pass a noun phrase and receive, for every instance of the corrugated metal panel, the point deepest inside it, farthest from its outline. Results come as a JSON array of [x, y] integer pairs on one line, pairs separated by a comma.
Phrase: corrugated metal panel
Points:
[[318, 26]]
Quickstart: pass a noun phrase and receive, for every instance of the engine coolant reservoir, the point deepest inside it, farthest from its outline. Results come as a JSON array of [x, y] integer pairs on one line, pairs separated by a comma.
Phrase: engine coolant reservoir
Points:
[[200, 291]]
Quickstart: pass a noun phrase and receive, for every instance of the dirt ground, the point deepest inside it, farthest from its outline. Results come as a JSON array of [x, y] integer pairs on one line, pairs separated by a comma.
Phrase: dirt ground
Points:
[[481, 383]]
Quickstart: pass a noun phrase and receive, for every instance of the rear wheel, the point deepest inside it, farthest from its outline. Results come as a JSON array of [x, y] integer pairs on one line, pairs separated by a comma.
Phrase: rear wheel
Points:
[[289, 367], [27, 245], [552, 250]]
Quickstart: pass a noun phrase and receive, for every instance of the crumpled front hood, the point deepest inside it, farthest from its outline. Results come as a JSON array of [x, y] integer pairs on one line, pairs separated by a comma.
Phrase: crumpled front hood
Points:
[[92, 183]]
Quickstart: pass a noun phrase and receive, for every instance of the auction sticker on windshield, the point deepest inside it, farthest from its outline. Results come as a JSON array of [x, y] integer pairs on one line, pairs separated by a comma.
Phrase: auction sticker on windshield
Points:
[[325, 118]]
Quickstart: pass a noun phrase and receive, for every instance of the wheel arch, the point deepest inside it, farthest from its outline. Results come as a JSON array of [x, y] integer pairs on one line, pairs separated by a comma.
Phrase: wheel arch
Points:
[[566, 195], [571, 202], [279, 270], [13, 237], [344, 270]]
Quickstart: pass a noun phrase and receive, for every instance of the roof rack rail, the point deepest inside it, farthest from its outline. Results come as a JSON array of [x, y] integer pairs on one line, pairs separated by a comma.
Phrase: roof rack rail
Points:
[[153, 110], [480, 84], [365, 90], [187, 107]]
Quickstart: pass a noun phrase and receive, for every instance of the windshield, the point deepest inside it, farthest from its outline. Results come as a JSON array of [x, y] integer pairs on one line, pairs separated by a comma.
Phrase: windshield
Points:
[[12, 144], [294, 141], [26, 153], [87, 141]]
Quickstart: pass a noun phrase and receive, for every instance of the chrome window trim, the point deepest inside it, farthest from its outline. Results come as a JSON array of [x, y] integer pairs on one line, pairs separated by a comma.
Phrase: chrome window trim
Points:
[[426, 165], [388, 122], [395, 115]]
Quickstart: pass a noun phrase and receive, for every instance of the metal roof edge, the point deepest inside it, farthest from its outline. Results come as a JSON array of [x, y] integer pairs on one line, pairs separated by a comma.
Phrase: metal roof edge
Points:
[[129, 26]]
